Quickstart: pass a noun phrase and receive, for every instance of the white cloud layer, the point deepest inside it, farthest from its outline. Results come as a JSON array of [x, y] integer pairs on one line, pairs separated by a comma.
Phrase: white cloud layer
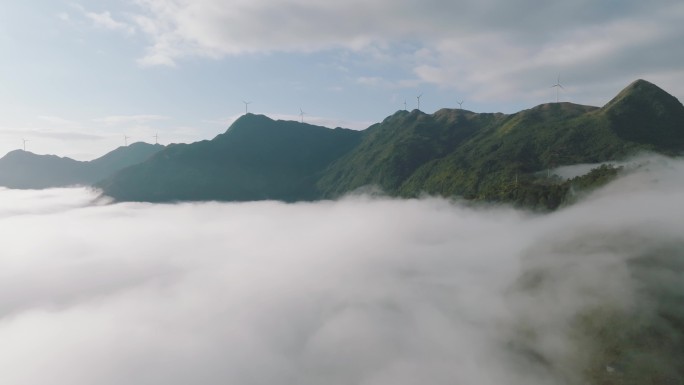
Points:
[[105, 20], [488, 49], [362, 290]]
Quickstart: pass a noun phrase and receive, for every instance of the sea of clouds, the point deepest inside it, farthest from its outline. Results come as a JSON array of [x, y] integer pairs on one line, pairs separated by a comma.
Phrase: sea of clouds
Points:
[[363, 290]]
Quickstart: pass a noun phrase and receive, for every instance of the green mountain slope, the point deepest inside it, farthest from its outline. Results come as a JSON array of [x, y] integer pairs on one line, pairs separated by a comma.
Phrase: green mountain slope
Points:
[[393, 150], [644, 113], [453, 152], [500, 157], [257, 158], [527, 142], [25, 170]]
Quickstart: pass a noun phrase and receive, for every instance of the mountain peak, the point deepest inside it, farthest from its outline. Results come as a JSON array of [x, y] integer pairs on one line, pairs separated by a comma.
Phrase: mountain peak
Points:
[[645, 113], [641, 83], [255, 123], [250, 118], [23, 169], [641, 93], [16, 154], [24, 155]]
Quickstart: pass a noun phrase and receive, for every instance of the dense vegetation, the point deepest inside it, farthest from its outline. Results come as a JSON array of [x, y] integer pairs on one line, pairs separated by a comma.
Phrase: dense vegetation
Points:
[[639, 341], [453, 152], [257, 158], [496, 157]]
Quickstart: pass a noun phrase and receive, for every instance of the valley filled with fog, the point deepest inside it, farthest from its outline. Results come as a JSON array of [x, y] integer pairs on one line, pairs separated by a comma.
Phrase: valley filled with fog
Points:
[[362, 290]]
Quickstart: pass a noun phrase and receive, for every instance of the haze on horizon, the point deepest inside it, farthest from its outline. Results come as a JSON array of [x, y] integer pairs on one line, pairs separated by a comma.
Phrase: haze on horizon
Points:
[[79, 75], [364, 290]]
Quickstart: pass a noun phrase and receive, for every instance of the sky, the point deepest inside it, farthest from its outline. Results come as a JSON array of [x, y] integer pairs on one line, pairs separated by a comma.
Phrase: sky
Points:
[[78, 76], [363, 290]]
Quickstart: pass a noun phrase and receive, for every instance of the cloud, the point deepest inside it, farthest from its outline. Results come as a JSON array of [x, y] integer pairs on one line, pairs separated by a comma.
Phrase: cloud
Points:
[[219, 27], [57, 121], [493, 66], [56, 135], [72, 134], [370, 80], [631, 164], [106, 21], [490, 50], [376, 81], [361, 290], [129, 119], [53, 127], [64, 16]]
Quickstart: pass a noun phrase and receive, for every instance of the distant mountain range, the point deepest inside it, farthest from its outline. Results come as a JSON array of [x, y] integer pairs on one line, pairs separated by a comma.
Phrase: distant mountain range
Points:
[[453, 152], [256, 159], [25, 170]]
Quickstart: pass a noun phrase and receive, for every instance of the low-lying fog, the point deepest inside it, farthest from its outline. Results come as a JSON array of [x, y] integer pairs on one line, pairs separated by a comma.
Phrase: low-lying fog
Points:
[[358, 291], [571, 171]]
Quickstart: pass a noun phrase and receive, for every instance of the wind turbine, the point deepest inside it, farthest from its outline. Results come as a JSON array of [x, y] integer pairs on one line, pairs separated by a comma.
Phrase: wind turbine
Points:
[[460, 104], [246, 104], [24, 140], [126, 140], [557, 86], [301, 114], [156, 138], [418, 97]]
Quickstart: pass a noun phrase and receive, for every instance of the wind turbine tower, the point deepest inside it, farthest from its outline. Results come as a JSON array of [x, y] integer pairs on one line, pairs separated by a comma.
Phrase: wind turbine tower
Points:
[[126, 137], [25, 140], [418, 97], [246, 104], [301, 114], [557, 86]]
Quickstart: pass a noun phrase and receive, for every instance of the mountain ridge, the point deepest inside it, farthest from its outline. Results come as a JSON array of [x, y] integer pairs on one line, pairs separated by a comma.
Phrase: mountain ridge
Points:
[[284, 167], [25, 170], [641, 106], [452, 152]]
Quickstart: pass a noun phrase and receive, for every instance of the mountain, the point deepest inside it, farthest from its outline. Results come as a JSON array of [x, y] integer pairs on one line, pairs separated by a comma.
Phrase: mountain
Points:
[[121, 158], [499, 157], [256, 158], [25, 170], [453, 152], [395, 149], [644, 113]]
